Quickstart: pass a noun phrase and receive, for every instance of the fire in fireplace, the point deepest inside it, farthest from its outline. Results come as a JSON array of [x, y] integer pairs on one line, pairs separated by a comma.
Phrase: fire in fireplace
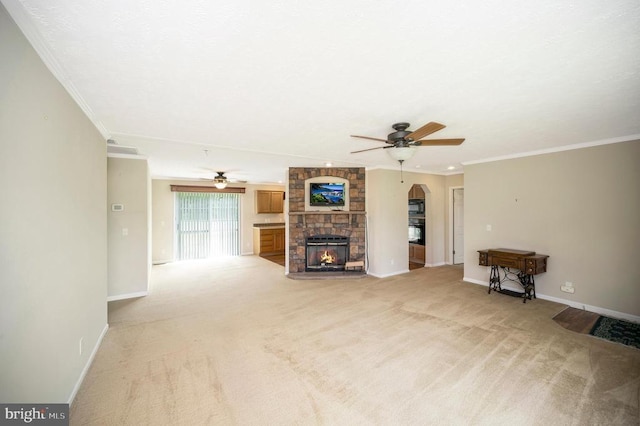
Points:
[[326, 253]]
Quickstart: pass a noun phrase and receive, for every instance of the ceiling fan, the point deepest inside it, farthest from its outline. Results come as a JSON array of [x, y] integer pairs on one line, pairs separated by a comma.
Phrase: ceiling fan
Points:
[[404, 141], [220, 181]]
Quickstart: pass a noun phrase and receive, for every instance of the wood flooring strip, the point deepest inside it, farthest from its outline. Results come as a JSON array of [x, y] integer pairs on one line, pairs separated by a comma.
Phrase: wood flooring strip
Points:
[[577, 320]]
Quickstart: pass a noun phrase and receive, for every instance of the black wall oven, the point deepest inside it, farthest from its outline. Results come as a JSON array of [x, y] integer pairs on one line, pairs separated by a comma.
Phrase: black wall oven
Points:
[[416, 231]]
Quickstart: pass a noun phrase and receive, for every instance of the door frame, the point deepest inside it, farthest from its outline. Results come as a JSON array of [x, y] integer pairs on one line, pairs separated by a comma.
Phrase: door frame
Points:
[[449, 257]]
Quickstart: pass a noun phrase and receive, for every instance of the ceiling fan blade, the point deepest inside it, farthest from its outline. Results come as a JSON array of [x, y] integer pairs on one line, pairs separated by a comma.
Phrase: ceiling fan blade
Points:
[[371, 149], [425, 130], [373, 139], [439, 142]]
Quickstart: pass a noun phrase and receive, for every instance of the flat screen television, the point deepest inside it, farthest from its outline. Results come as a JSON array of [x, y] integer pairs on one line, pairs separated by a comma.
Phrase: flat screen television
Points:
[[326, 194]]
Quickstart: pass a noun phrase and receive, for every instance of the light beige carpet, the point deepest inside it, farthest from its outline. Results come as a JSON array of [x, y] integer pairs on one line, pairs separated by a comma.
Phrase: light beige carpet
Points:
[[233, 341]]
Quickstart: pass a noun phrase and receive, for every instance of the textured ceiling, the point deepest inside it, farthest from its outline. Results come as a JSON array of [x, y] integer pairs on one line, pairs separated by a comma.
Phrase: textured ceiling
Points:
[[263, 86]]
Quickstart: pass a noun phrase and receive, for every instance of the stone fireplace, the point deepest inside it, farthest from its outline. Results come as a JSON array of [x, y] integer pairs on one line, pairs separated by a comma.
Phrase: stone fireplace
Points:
[[348, 225]]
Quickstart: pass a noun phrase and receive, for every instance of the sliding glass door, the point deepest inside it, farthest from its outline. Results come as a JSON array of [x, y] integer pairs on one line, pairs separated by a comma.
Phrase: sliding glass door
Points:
[[207, 225]]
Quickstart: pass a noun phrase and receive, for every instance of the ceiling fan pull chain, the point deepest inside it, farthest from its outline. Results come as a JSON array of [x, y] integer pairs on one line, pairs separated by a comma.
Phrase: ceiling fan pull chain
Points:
[[401, 178]]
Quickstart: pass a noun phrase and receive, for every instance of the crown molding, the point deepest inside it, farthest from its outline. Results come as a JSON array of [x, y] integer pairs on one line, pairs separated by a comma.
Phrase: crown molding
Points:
[[129, 156], [24, 21], [628, 138]]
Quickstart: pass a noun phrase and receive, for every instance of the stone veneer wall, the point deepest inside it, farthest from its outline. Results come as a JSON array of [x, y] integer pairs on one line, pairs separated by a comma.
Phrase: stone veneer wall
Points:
[[350, 225]]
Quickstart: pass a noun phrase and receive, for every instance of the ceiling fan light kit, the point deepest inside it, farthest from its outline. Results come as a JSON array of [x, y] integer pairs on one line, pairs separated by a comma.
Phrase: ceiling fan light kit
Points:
[[401, 153], [220, 181]]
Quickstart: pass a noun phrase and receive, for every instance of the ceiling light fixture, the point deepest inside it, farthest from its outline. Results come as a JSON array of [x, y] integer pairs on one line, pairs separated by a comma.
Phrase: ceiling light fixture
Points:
[[401, 153], [220, 181]]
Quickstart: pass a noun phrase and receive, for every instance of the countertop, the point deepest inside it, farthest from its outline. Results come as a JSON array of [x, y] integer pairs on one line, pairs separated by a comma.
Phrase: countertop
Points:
[[269, 225]]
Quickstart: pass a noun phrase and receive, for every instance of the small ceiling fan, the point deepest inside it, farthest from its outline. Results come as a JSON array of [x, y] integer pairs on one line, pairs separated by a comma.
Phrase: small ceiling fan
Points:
[[220, 181], [404, 141]]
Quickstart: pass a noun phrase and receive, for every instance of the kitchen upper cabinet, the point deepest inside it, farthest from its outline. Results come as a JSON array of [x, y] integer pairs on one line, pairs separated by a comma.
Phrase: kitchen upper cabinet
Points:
[[416, 193], [270, 201]]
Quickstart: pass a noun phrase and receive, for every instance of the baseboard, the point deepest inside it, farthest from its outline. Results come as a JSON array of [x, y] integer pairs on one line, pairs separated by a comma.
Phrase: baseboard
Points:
[[433, 265], [161, 262], [127, 296], [573, 304], [598, 310], [76, 388], [388, 275], [474, 281]]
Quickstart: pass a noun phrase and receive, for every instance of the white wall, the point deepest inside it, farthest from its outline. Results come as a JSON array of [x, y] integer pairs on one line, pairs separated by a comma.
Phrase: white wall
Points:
[[128, 230], [387, 219], [53, 236], [580, 207], [452, 181], [163, 215]]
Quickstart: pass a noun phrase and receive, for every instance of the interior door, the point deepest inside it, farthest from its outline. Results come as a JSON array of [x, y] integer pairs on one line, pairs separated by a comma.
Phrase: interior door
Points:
[[458, 225]]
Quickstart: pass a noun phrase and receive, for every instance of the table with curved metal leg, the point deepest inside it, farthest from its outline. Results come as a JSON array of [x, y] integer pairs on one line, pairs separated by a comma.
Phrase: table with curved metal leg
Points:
[[518, 266]]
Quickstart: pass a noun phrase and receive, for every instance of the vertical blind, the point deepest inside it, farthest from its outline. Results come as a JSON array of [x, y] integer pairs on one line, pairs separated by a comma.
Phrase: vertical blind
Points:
[[207, 225]]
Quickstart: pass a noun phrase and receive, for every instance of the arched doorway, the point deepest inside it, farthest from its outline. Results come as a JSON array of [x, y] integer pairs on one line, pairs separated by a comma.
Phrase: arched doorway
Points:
[[417, 226]]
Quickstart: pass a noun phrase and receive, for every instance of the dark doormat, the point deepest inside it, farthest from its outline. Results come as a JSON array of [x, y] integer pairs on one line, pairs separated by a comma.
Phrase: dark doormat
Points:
[[625, 332]]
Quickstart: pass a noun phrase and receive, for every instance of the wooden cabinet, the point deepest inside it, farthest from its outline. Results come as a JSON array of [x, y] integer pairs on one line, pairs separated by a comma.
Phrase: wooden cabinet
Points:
[[270, 201], [278, 240], [268, 240], [417, 253], [416, 193]]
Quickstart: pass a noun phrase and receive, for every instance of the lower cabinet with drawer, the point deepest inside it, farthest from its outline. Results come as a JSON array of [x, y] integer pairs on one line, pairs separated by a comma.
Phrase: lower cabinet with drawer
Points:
[[268, 241], [417, 253]]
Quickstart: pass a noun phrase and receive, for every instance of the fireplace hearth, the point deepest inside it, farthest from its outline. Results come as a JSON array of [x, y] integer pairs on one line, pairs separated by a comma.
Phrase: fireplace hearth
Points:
[[326, 253]]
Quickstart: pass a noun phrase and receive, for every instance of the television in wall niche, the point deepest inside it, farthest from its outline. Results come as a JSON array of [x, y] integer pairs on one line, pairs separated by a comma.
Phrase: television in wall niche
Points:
[[326, 194]]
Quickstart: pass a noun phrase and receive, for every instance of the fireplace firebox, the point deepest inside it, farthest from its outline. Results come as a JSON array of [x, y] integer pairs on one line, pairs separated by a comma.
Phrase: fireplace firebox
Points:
[[326, 253]]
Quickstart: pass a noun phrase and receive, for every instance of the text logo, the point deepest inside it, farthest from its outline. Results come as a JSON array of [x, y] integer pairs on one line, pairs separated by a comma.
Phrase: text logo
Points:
[[37, 414]]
